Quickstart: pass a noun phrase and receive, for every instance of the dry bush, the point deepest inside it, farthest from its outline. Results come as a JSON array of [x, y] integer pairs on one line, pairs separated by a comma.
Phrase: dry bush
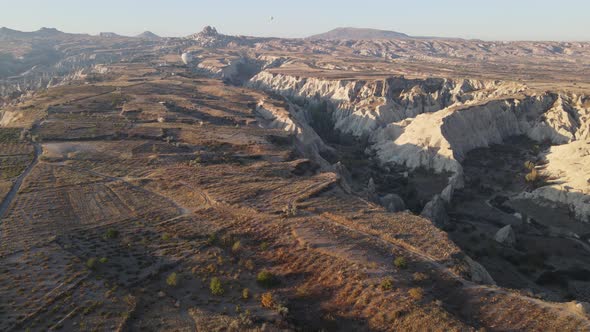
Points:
[[267, 300], [416, 293]]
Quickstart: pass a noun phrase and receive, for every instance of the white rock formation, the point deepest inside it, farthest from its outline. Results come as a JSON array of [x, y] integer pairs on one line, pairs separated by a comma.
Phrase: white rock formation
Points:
[[287, 117], [569, 165], [434, 123]]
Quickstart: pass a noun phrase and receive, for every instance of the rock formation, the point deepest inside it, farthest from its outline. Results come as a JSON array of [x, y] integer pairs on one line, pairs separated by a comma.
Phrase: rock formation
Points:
[[506, 236]]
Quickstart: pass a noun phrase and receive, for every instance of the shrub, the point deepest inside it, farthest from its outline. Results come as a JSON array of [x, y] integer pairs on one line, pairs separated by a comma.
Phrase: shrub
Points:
[[111, 233], [282, 310], [416, 293], [172, 279], [91, 263], [529, 165], [249, 264], [533, 176], [290, 210], [267, 300], [235, 248], [400, 262], [419, 276], [387, 284], [264, 246], [212, 239], [266, 279], [103, 260], [216, 286], [245, 293]]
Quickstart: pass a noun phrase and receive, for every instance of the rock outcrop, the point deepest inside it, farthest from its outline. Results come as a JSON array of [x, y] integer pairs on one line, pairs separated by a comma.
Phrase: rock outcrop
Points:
[[393, 203], [436, 212], [506, 236], [434, 123]]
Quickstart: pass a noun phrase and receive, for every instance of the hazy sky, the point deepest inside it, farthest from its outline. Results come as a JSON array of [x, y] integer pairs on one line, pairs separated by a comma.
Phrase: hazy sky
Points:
[[485, 19]]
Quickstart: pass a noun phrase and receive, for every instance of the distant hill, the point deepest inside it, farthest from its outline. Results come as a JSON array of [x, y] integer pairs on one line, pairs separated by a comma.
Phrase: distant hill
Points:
[[109, 35], [358, 34], [6, 33], [148, 35]]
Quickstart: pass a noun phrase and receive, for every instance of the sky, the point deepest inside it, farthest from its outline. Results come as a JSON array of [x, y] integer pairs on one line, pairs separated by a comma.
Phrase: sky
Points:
[[481, 19]]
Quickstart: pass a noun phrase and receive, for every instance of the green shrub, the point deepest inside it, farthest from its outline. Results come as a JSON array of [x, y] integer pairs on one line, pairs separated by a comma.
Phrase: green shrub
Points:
[[264, 246], [103, 260], [166, 237], [529, 165], [245, 293], [172, 279], [266, 279], [216, 286], [91, 263], [212, 239], [236, 247], [111, 233], [400, 262], [387, 284]]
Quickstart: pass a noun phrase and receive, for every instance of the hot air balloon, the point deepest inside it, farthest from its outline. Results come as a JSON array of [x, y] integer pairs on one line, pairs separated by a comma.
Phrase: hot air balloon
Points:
[[187, 58]]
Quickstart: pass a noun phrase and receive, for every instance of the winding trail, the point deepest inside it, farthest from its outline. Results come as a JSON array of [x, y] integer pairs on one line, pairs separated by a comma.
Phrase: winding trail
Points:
[[19, 180]]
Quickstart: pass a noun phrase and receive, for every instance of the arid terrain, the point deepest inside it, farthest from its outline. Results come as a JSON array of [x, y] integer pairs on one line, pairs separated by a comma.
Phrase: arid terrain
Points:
[[232, 183]]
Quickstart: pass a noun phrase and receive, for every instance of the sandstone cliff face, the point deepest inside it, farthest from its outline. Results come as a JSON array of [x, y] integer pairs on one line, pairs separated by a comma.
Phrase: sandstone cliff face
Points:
[[434, 123]]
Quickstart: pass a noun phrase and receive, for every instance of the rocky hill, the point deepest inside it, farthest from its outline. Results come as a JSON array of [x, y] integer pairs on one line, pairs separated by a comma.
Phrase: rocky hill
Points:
[[358, 34]]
